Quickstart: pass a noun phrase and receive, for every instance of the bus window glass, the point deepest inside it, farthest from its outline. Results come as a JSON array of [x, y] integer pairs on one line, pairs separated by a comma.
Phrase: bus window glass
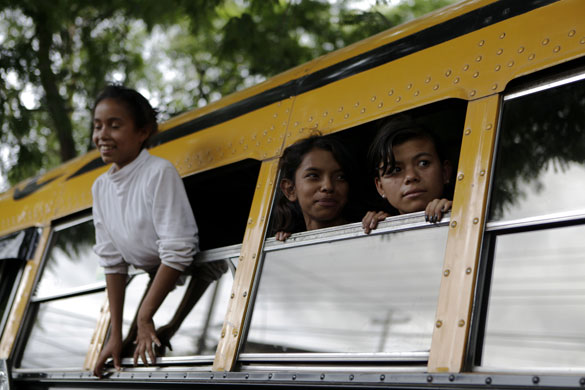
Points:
[[540, 164], [537, 300], [338, 290], [61, 332], [71, 262], [534, 253]]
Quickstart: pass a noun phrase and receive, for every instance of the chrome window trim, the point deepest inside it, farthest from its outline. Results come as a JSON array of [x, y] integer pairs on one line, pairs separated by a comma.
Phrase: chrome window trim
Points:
[[69, 293], [77, 221], [549, 83], [173, 360], [421, 356], [354, 230], [536, 221]]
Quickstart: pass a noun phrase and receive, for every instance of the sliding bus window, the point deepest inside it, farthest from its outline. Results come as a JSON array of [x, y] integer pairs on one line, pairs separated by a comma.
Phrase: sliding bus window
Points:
[[15, 250], [338, 291], [67, 301], [534, 251]]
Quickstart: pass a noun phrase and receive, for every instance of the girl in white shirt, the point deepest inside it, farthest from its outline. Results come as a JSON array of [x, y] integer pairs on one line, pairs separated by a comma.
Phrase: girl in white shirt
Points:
[[142, 216]]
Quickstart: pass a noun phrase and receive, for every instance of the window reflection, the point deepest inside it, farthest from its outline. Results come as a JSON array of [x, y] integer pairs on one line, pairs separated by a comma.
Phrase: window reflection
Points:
[[71, 262], [540, 165], [62, 331], [370, 294], [537, 301]]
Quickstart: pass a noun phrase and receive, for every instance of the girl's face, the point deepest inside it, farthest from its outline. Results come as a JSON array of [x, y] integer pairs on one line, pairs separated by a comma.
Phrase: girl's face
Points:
[[417, 177], [115, 133], [321, 189]]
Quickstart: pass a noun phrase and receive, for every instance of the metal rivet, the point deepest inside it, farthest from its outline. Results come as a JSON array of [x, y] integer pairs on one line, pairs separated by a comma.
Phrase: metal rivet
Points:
[[340, 109], [429, 378], [398, 99], [460, 176], [478, 59], [346, 116], [572, 33], [363, 110], [456, 80], [253, 255], [557, 49], [310, 119], [582, 41], [233, 295], [466, 67], [495, 86], [545, 41], [475, 220], [436, 87], [448, 73], [482, 172], [409, 86], [331, 120], [467, 131], [225, 375], [476, 75], [446, 272], [275, 115], [382, 377], [373, 98], [531, 57], [325, 113], [510, 64], [428, 80], [439, 323], [582, 381], [322, 376], [296, 123], [356, 104], [351, 377], [481, 43], [499, 52], [391, 92], [247, 376], [270, 376], [489, 126], [245, 294], [235, 333], [468, 270], [535, 379], [498, 67], [294, 377], [451, 378], [210, 376], [488, 380], [416, 93], [380, 105], [472, 93], [454, 224], [461, 323], [250, 221], [502, 35]]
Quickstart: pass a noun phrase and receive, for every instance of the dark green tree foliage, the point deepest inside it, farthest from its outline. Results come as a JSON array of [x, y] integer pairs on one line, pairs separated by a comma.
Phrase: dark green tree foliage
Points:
[[64, 51]]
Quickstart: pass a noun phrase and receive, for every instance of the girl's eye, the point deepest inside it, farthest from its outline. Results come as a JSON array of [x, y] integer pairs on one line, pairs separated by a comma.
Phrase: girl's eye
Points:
[[393, 170], [311, 175], [424, 163], [341, 177]]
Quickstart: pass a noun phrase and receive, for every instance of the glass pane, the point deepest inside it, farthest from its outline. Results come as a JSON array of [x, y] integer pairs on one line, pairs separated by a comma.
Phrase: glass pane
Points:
[[9, 271], [540, 165], [71, 262], [196, 335], [62, 331], [536, 308], [369, 294]]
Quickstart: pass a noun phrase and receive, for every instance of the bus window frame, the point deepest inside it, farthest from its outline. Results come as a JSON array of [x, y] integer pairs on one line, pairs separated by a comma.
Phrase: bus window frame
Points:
[[494, 229], [394, 224]]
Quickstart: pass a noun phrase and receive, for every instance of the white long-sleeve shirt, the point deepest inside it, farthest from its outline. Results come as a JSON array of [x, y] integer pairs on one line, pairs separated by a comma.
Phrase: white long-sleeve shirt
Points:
[[142, 217]]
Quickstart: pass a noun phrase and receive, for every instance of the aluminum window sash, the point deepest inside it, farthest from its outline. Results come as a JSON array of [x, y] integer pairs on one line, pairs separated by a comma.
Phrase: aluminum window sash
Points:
[[354, 230], [421, 356], [547, 83], [87, 289], [537, 221]]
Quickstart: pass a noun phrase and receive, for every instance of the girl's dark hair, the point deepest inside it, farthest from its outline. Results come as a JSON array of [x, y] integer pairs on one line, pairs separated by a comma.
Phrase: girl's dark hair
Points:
[[288, 216], [140, 109]]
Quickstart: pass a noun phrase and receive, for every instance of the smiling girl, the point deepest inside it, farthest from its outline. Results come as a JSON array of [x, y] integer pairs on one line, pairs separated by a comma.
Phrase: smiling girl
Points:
[[410, 172], [314, 187], [141, 213]]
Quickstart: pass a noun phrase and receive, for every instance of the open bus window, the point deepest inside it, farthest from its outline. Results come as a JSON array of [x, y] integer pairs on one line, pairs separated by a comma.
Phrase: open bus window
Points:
[[67, 302], [534, 252], [15, 249], [339, 291]]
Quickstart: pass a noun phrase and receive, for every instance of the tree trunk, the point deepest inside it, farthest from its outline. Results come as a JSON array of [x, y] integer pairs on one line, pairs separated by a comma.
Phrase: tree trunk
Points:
[[55, 103]]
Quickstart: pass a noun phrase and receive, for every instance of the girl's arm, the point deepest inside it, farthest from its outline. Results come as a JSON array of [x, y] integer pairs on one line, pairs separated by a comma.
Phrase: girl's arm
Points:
[[116, 287], [164, 281]]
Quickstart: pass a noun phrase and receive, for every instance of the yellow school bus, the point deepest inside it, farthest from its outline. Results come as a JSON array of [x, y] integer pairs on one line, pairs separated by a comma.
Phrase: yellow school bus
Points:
[[492, 296]]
